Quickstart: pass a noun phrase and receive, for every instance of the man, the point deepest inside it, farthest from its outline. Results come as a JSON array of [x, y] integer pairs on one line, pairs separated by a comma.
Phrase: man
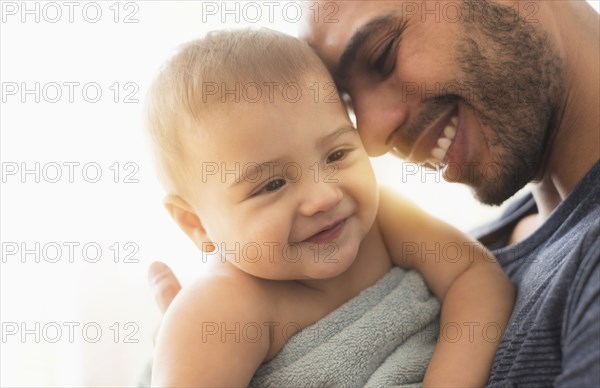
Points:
[[497, 94]]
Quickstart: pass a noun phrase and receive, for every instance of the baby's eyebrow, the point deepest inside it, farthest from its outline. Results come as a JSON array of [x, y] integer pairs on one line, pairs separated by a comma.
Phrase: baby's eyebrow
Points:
[[252, 172], [335, 134], [360, 38]]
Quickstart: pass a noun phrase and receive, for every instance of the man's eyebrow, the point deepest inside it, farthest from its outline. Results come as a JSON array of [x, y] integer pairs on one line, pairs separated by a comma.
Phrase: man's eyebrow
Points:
[[360, 37]]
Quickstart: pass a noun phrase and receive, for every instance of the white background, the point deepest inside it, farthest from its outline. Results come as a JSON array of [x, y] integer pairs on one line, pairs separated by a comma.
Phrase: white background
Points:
[[39, 295]]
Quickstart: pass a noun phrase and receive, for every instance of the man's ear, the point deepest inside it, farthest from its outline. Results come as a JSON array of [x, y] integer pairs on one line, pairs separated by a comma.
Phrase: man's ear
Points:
[[184, 215]]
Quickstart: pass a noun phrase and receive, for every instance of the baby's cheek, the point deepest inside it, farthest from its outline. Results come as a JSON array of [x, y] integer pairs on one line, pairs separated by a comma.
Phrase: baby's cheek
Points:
[[368, 182], [269, 230], [369, 200]]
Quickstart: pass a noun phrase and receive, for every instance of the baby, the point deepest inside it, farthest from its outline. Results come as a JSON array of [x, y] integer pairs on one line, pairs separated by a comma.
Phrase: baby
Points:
[[264, 168]]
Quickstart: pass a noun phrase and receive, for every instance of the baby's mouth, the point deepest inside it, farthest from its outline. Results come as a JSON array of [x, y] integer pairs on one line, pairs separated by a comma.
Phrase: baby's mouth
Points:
[[328, 233]]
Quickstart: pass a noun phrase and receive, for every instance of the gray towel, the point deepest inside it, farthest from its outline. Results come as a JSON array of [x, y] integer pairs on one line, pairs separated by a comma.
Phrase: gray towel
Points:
[[384, 336]]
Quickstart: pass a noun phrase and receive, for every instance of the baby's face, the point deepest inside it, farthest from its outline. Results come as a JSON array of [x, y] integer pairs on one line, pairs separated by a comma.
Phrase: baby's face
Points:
[[286, 190]]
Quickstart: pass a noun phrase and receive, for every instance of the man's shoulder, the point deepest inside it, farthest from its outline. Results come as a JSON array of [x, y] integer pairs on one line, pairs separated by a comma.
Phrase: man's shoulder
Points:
[[556, 311], [581, 327], [586, 280], [554, 331], [591, 230]]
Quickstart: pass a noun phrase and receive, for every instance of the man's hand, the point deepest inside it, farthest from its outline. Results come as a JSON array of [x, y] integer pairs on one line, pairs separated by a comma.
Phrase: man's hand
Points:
[[164, 283]]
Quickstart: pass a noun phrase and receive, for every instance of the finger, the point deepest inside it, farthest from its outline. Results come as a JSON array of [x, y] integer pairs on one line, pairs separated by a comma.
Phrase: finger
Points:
[[164, 283]]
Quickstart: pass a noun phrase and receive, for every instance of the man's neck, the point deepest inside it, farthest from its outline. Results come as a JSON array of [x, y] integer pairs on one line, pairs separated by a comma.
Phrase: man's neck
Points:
[[575, 147]]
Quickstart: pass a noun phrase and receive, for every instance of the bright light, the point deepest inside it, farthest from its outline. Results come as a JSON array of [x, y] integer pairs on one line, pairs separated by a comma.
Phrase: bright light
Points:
[[81, 209]]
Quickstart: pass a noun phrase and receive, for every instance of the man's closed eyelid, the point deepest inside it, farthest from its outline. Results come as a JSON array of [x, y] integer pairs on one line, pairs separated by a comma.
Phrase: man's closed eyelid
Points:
[[379, 27], [385, 63]]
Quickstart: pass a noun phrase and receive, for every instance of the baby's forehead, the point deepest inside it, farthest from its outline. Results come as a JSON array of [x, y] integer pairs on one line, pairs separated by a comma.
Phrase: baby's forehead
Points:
[[255, 106]]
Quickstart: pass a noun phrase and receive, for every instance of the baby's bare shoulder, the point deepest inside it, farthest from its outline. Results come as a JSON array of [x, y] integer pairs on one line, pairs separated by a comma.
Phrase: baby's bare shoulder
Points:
[[226, 295], [204, 338]]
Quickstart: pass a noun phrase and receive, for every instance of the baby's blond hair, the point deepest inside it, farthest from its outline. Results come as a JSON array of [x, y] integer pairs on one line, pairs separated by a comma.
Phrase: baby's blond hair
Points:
[[179, 102]]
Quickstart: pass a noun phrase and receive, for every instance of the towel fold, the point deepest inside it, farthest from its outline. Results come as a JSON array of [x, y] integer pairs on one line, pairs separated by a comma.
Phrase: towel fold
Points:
[[384, 336]]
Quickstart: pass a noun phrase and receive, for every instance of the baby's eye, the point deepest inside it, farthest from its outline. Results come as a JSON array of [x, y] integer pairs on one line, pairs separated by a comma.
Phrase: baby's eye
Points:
[[274, 185], [337, 156]]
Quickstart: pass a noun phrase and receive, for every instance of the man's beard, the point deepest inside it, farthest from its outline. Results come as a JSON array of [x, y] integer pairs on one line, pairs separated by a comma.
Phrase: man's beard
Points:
[[517, 82], [513, 82]]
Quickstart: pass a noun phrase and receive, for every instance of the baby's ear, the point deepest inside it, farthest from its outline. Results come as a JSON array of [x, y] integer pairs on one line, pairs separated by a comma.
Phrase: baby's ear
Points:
[[188, 221]]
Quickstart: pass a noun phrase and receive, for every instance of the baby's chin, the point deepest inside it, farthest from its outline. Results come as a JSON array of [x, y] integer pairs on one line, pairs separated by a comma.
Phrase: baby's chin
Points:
[[334, 262]]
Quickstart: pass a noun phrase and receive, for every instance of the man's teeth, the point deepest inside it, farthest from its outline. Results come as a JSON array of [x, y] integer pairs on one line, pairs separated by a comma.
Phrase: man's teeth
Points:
[[438, 153], [444, 143], [450, 132]]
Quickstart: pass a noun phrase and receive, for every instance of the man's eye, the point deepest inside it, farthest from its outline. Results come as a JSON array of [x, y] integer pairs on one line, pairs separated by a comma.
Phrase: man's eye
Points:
[[274, 185], [337, 156]]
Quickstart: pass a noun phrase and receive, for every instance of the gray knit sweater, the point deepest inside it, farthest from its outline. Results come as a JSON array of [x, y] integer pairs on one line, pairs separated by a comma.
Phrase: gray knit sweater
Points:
[[553, 336]]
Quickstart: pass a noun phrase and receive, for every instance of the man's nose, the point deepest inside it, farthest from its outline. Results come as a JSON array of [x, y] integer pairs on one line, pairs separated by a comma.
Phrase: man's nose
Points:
[[319, 195], [379, 112]]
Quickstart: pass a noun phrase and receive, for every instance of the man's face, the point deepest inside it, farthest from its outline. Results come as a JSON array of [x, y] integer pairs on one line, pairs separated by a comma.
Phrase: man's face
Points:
[[467, 86]]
